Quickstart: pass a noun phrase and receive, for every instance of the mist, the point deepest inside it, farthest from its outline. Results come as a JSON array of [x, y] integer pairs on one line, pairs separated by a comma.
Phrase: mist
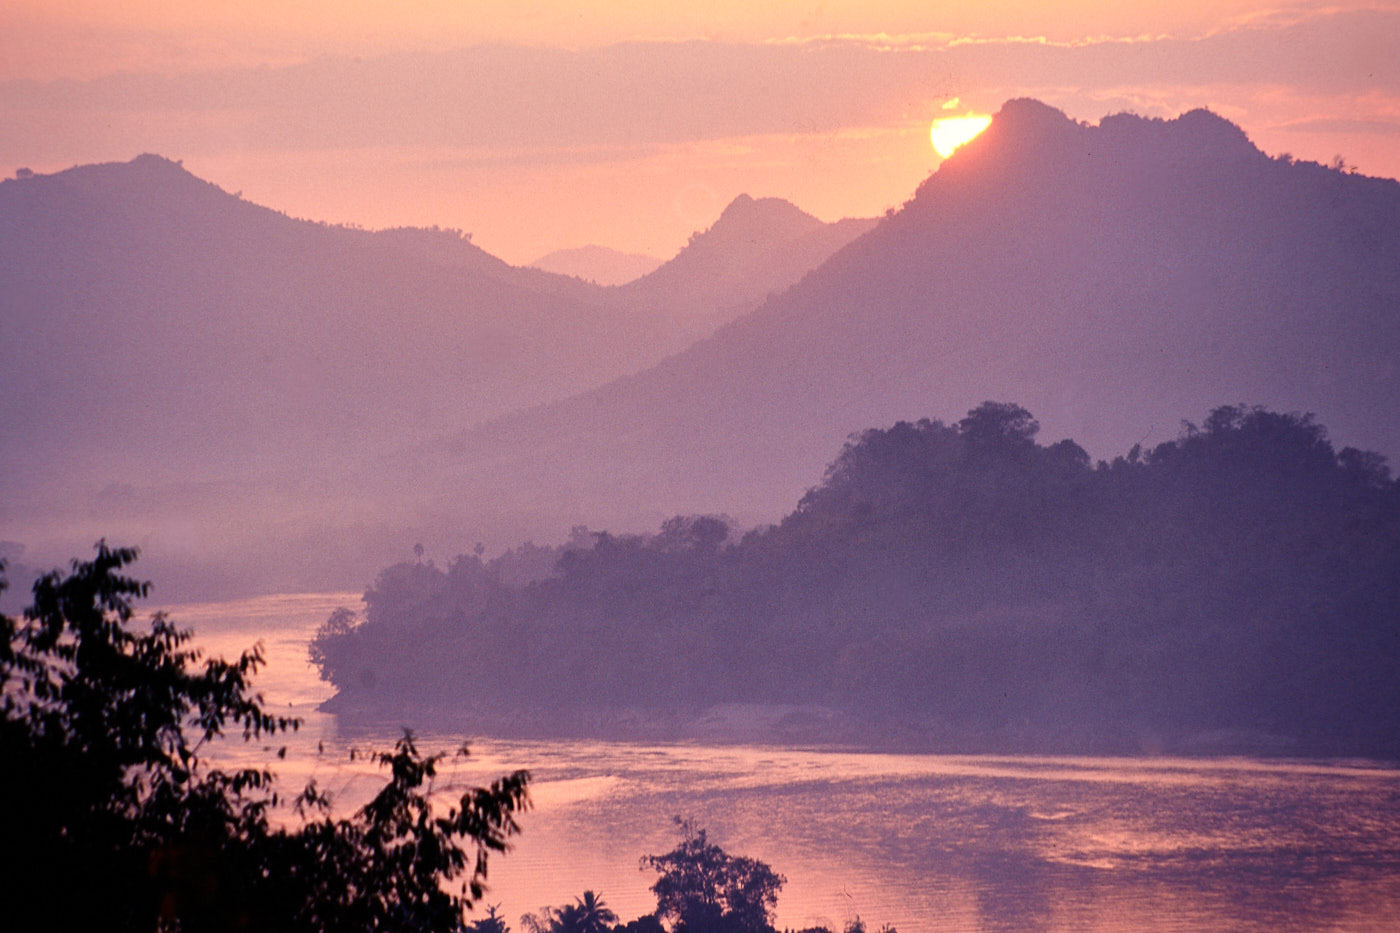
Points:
[[997, 538]]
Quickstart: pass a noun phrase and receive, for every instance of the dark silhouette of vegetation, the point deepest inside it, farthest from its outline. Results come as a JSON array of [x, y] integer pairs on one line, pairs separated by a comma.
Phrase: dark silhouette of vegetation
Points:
[[493, 922], [114, 820], [853, 926], [588, 914], [964, 586], [703, 889]]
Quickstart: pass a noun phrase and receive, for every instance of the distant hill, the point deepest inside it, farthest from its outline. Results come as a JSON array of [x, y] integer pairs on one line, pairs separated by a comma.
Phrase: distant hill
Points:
[[197, 372], [226, 383], [758, 247], [597, 264], [153, 317], [1110, 276], [959, 587]]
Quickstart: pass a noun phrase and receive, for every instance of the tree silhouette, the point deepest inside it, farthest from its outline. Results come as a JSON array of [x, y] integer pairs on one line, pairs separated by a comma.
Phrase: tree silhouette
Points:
[[998, 426], [104, 790], [591, 914], [988, 590], [493, 922], [703, 889], [588, 914]]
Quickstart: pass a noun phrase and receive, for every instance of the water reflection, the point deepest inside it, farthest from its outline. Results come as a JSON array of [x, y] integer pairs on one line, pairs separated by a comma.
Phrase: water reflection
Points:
[[924, 842]]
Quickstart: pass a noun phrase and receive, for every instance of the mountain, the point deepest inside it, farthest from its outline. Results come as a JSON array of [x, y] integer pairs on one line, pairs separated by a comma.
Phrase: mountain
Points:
[[1109, 277], [597, 264], [259, 396], [757, 247], [187, 370], [219, 333]]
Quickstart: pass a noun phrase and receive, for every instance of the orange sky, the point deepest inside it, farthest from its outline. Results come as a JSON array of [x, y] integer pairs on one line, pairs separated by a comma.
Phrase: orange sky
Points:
[[540, 125]]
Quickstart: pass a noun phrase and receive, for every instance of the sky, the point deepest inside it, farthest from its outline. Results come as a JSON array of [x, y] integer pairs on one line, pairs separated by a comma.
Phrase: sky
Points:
[[540, 124]]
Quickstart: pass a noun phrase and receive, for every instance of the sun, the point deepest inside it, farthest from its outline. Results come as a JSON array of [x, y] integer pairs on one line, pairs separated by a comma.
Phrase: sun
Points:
[[948, 133]]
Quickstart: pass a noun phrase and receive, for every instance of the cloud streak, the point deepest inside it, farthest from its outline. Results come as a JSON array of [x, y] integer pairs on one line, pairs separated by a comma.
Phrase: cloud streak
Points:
[[641, 94], [375, 139]]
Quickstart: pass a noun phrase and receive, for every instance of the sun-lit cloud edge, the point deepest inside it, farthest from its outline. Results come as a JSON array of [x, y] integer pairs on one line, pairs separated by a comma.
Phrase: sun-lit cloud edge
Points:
[[1285, 17], [1265, 20], [1342, 125], [1233, 92], [560, 156], [935, 67]]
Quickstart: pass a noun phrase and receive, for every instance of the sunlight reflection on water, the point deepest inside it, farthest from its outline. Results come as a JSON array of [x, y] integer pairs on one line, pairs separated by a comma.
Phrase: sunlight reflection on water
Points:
[[926, 842]]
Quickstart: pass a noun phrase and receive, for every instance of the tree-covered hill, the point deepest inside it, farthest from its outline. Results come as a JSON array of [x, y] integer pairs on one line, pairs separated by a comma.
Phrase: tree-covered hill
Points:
[[953, 585], [1111, 278]]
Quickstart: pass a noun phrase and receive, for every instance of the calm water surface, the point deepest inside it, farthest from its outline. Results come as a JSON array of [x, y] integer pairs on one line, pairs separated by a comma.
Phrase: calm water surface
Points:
[[924, 842]]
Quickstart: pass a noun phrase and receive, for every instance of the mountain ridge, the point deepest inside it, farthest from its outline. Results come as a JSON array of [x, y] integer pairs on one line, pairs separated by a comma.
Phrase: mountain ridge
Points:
[[1111, 278], [762, 246], [184, 353]]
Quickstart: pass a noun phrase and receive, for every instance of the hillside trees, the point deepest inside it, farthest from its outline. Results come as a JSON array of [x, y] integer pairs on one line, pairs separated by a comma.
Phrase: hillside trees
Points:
[[969, 582], [106, 793]]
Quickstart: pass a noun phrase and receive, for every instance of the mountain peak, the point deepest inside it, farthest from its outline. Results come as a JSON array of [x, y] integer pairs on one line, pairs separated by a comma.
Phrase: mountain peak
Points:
[[144, 177], [769, 213], [748, 224], [1025, 114], [1023, 129], [1196, 135], [757, 246], [150, 162], [1027, 136], [1029, 127], [146, 167], [1206, 125]]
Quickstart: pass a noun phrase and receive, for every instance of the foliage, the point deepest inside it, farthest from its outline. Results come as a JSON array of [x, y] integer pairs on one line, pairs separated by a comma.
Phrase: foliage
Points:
[[588, 914], [493, 922], [703, 889], [106, 792], [647, 923], [964, 580]]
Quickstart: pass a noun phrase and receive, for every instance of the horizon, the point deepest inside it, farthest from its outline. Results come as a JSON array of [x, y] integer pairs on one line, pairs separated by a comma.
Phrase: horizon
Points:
[[962, 135], [523, 390], [569, 125]]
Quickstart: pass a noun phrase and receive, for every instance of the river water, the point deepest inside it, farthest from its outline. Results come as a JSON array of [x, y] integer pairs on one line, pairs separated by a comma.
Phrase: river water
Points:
[[922, 842]]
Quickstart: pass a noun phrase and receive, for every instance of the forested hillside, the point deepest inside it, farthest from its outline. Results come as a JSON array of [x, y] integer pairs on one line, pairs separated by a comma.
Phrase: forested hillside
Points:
[[949, 585]]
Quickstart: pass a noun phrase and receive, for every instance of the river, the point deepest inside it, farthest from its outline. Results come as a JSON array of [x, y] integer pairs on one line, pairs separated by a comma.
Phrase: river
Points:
[[922, 842]]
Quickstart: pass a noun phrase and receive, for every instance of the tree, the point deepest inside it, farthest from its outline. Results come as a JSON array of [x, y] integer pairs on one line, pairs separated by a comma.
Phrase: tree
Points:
[[330, 637], [999, 426], [703, 889], [104, 789], [493, 922], [590, 915]]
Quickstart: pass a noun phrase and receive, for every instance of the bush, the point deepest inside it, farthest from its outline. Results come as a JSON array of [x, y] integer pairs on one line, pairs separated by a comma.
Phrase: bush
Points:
[[117, 823]]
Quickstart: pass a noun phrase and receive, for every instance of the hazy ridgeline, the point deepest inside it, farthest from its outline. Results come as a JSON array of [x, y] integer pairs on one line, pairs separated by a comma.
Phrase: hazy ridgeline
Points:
[[950, 586], [1111, 278], [249, 396], [272, 405]]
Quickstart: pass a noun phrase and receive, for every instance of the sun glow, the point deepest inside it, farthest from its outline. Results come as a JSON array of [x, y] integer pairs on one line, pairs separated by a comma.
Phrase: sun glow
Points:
[[949, 133]]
